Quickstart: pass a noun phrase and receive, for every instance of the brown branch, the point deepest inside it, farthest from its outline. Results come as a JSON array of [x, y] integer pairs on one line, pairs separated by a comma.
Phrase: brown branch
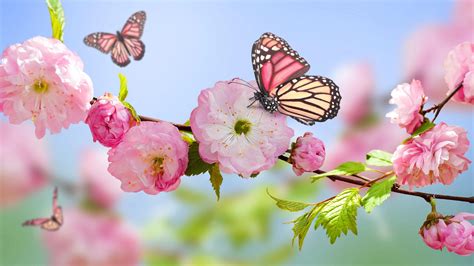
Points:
[[395, 188], [437, 107]]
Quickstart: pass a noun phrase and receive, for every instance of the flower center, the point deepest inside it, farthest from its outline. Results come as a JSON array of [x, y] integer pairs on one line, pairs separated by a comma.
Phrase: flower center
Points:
[[157, 165], [40, 86], [242, 127]]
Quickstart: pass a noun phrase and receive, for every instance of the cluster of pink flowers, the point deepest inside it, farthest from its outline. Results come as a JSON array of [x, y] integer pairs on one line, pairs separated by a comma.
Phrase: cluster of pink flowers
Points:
[[243, 140], [24, 164], [43, 81], [151, 157], [455, 233], [459, 67], [434, 156], [409, 99], [101, 187], [307, 154], [93, 239], [109, 120]]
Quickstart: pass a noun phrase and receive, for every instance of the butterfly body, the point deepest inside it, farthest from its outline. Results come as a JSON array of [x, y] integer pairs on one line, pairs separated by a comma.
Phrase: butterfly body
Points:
[[54, 222], [124, 43], [283, 86]]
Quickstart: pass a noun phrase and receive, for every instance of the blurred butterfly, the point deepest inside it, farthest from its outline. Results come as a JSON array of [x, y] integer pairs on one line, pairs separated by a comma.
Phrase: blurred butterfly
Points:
[[54, 222], [282, 86], [123, 44]]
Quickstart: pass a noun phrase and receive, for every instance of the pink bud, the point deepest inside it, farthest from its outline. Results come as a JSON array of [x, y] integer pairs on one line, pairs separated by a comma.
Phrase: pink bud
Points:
[[307, 154], [109, 120]]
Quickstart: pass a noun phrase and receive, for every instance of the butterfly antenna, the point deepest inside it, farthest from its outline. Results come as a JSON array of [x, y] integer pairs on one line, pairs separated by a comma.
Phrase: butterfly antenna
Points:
[[254, 100], [243, 83]]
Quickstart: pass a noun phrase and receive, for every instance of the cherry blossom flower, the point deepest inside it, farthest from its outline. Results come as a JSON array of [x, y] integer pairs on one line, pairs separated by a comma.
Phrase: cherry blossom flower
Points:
[[409, 99], [357, 77], [92, 239], [459, 66], [308, 154], [24, 163], [427, 47], [151, 157], [455, 233], [42, 80], [109, 120], [243, 140], [102, 188], [434, 156]]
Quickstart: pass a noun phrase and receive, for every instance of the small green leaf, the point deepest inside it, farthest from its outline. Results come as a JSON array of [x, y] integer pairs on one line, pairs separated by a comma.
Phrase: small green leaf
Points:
[[303, 223], [379, 158], [425, 126], [196, 165], [339, 214], [292, 206], [216, 179], [123, 88], [378, 193], [187, 123], [347, 168], [132, 110], [56, 12]]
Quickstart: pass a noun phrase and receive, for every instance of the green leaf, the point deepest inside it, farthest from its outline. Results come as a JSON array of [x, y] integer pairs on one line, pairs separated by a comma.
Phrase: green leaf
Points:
[[292, 206], [132, 110], [56, 12], [303, 223], [378, 193], [379, 158], [196, 165], [347, 168], [123, 88], [339, 214], [216, 179], [425, 126]]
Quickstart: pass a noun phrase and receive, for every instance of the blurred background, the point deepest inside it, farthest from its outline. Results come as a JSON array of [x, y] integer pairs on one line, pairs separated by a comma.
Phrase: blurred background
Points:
[[367, 47]]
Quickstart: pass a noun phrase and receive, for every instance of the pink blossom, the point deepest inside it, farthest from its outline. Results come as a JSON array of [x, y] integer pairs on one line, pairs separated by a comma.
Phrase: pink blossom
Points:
[[102, 188], [455, 233], [243, 140], [427, 47], [42, 80], [109, 120], [358, 77], [92, 239], [409, 99], [308, 154], [151, 157], [434, 156], [434, 235], [24, 163], [459, 66], [459, 237]]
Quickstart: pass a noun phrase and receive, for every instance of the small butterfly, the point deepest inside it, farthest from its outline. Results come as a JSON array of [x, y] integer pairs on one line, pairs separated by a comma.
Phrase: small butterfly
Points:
[[54, 222], [282, 86], [123, 44]]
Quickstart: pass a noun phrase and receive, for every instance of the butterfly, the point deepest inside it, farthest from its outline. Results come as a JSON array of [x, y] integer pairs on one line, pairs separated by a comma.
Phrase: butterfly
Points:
[[54, 222], [282, 86], [123, 44]]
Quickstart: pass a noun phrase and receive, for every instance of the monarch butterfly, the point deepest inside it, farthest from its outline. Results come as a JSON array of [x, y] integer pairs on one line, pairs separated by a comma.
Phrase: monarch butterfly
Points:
[[54, 222], [282, 86], [123, 44]]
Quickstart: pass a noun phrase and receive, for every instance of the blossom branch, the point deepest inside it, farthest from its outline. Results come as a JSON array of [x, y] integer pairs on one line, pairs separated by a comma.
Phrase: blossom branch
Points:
[[437, 107], [396, 188]]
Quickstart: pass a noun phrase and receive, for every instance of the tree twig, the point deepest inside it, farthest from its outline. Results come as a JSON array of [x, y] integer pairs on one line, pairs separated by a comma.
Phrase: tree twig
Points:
[[437, 107]]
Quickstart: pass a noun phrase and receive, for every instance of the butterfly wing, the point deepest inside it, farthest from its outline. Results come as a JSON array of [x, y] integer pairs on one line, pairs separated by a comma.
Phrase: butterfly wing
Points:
[[58, 215], [309, 99], [135, 47], [102, 41], [119, 54], [134, 26], [275, 62], [50, 225], [35, 222]]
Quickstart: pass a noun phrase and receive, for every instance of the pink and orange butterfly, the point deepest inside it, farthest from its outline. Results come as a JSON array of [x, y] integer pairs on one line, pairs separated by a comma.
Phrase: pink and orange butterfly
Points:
[[283, 86], [123, 44], [52, 223]]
